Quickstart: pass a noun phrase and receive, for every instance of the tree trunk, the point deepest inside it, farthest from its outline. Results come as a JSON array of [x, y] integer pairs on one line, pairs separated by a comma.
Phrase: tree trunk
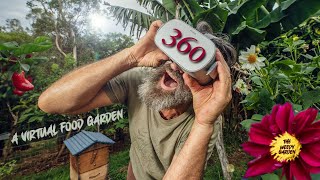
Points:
[[7, 150], [63, 146], [74, 50], [222, 153]]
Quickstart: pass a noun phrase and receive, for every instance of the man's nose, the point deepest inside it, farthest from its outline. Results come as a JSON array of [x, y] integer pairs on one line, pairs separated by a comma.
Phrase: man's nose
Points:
[[175, 67]]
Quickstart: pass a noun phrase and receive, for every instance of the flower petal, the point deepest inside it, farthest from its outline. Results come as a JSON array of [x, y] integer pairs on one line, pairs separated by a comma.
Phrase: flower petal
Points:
[[272, 121], [244, 53], [311, 169], [309, 135], [304, 119], [299, 171], [260, 134], [260, 64], [314, 170], [284, 116], [314, 147], [261, 59], [316, 124], [243, 59], [310, 158], [286, 171], [254, 149], [252, 49], [262, 165], [265, 121]]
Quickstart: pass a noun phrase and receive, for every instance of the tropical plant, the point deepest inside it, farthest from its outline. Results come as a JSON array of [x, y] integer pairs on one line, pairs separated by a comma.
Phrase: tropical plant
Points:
[[15, 58], [292, 71], [245, 21]]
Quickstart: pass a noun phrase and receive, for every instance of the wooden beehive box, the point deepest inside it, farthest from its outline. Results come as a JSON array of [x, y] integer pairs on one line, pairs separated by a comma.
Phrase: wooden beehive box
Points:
[[89, 155]]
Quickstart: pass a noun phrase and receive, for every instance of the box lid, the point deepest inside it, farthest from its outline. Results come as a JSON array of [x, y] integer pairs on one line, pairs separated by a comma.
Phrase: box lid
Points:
[[84, 139]]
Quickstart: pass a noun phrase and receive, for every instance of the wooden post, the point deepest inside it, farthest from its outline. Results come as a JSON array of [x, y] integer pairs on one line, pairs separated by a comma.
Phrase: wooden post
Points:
[[222, 152]]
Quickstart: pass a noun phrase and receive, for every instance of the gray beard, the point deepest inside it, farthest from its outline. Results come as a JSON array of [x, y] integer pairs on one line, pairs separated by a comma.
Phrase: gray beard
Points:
[[158, 99]]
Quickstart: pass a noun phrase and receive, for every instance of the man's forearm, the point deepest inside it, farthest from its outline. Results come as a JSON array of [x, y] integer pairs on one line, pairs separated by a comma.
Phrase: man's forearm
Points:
[[77, 88], [190, 161]]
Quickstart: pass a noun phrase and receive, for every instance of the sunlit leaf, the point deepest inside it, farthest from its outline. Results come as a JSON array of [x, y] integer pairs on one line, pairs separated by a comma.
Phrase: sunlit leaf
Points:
[[257, 117], [25, 67], [270, 177], [247, 123]]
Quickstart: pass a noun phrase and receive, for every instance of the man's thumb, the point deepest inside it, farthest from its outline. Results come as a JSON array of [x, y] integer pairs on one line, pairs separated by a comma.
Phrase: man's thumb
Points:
[[191, 83]]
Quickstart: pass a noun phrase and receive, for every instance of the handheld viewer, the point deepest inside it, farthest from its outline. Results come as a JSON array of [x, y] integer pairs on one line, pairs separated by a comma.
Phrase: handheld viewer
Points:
[[192, 51]]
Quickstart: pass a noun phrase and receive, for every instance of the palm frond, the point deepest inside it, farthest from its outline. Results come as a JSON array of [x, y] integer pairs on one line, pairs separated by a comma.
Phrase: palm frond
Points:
[[138, 21], [157, 9]]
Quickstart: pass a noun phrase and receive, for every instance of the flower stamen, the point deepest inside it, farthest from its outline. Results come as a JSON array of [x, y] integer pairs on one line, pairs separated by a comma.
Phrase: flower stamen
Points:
[[285, 147], [252, 58]]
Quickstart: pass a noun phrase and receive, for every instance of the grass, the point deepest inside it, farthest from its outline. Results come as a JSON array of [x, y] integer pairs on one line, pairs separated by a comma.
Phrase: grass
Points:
[[118, 169], [57, 173]]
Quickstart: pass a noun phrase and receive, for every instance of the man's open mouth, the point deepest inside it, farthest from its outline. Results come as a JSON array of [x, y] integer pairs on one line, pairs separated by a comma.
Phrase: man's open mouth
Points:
[[168, 82]]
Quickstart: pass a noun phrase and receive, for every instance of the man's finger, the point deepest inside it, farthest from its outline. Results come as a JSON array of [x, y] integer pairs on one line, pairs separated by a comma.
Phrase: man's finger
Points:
[[223, 73], [219, 57], [155, 26], [160, 55]]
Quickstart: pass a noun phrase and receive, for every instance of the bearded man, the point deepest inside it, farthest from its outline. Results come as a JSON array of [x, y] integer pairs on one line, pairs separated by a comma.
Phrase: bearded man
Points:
[[171, 116]]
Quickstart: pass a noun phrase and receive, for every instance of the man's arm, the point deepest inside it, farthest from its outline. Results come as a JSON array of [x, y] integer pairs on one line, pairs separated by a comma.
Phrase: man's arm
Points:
[[208, 103], [82, 90]]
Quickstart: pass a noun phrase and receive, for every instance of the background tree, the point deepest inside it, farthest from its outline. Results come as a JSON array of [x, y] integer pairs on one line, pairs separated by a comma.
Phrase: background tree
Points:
[[64, 20], [12, 25], [245, 21]]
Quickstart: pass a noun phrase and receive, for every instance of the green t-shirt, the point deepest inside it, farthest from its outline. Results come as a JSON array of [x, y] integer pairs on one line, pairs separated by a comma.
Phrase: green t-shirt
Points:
[[154, 140]]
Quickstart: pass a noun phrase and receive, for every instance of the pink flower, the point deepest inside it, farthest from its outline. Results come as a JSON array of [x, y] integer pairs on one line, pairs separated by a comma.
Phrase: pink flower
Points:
[[284, 140]]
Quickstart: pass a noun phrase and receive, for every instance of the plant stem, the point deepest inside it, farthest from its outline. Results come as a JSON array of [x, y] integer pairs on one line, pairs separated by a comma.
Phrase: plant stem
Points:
[[188, 8]]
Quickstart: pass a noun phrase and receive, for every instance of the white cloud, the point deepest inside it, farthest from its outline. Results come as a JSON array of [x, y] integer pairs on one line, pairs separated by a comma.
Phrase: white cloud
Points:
[[18, 9], [13, 9]]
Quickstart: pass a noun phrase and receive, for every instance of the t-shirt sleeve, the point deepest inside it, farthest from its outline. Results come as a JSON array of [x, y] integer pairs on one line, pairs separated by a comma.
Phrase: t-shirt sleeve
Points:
[[118, 88]]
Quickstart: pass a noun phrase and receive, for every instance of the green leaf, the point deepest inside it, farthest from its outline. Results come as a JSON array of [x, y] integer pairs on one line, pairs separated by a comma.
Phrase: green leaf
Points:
[[215, 16], [24, 117], [286, 62], [257, 117], [247, 123], [25, 67], [138, 20], [245, 36], [308, 56], [315, 176], [35, 118], [296, 43], [298, 12], [256, 80], [297, 107], [42, 40], [8, 46], [30, 48], [244, 12], [193, 6], [310, 97], [170, 6], [290, 14], [270, 177]]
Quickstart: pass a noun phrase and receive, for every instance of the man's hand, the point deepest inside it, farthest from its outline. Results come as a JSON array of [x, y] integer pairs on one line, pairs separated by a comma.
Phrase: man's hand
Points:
[[209, 101], [145, 52]]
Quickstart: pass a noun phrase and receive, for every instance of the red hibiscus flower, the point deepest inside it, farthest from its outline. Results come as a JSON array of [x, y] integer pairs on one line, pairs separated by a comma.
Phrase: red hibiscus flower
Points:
[[284, 140]]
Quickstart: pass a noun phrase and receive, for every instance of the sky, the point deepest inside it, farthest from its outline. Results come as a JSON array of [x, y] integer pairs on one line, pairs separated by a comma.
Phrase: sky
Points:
[[17, 9]]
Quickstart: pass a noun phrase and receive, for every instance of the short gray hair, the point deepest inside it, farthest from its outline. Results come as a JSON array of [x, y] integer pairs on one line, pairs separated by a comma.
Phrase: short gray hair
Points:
[[221, 41]]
